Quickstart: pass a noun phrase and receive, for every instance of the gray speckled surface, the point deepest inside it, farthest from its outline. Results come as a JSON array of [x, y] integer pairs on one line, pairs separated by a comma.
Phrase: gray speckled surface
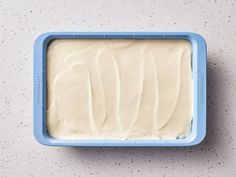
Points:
[[20, 23]]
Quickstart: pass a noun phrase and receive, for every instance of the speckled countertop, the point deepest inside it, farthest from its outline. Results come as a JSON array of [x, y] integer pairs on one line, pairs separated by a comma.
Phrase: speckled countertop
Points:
[[22, 21]]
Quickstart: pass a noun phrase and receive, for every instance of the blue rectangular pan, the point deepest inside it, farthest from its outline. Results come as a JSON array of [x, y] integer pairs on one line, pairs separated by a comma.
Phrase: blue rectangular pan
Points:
[[199, 80]]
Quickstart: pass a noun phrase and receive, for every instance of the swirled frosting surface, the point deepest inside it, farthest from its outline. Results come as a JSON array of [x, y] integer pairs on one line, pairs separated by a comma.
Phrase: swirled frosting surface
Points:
[[119, 89]]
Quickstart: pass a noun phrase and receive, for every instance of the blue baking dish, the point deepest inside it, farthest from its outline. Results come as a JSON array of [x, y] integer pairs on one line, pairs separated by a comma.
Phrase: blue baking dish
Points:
[[199, 80]]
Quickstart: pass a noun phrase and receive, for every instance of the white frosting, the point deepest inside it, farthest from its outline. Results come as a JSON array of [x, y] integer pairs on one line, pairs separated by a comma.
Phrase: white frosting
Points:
[[119, 89]]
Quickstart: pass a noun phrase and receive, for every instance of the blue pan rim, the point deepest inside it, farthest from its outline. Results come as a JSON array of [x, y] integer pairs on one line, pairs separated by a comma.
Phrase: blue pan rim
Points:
[[199, 57]]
